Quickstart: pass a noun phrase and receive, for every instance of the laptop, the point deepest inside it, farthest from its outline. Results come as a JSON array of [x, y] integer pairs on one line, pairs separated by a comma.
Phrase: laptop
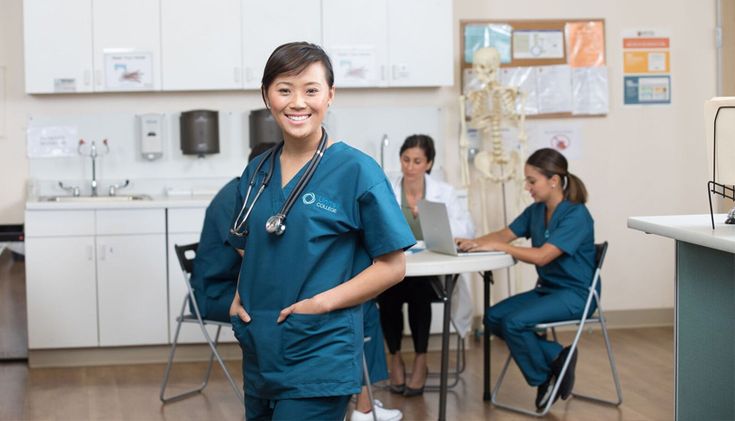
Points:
[[438, 233]]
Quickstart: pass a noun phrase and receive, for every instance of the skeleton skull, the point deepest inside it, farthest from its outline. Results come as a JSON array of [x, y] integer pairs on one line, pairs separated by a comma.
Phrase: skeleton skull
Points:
[[485, 64]]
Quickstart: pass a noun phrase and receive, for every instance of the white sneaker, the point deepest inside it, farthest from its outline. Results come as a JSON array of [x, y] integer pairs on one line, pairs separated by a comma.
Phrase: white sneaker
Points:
[[382, 414]]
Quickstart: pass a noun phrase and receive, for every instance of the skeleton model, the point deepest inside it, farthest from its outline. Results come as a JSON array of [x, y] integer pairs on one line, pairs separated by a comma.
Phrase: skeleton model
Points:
[[492, 107]]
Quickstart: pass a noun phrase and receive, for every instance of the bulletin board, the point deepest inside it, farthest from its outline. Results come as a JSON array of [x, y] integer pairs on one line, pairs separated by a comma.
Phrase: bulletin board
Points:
[[559, 64]]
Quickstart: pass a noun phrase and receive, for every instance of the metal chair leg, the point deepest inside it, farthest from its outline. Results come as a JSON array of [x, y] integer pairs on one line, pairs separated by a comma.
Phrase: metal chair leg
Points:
[[167, 372], [366, 375], [613, 367]]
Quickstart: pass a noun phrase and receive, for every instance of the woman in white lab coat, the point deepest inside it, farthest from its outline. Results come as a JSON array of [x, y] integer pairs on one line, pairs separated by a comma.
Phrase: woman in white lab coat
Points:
[[417, 158]]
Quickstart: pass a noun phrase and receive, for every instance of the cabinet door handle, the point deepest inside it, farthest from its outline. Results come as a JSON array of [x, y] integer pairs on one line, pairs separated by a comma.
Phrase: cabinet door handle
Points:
[[87, 76], [90, 253], [382, 72], [237, 74], [102, 253], [248, 74]]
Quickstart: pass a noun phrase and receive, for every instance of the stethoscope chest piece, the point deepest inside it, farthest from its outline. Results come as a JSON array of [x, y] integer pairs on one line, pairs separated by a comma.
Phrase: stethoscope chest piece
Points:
[[275, 225]]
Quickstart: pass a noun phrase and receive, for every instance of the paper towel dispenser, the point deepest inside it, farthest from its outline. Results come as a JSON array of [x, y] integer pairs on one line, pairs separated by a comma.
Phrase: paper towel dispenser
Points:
[[199, 132], [263, 128]]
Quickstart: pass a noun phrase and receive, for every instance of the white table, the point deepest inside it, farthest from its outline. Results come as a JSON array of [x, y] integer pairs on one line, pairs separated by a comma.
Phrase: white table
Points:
[[427, 263], [705, 313]]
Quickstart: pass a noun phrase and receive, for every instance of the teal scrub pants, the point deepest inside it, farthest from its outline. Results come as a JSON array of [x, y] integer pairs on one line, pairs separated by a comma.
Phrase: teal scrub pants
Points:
[[374, 351], [513, 320], [329, 408]]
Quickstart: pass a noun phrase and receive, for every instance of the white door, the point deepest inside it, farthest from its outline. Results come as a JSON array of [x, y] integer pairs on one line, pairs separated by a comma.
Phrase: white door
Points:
[[356, 37], [127, 45], [58, 45], [201, 43], [421, 37], [268, 24], [131, 280], [61, 292]]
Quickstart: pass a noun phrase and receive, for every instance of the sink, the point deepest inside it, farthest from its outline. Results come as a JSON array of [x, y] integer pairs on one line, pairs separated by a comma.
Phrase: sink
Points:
[[97, 199]]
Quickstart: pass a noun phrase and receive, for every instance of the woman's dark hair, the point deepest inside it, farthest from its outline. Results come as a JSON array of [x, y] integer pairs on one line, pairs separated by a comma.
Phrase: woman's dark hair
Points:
[[425, 142], [259, 148], [292, 59], [550, 162]]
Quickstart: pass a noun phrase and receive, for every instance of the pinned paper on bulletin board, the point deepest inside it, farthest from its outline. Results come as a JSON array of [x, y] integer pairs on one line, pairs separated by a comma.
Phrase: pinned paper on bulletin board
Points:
[[585, 44], [490, 35], [646, 67], [559, 65]]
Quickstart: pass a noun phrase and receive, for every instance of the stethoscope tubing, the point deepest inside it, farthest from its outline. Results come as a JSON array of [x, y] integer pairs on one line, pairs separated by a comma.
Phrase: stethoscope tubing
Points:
[[280, 217]]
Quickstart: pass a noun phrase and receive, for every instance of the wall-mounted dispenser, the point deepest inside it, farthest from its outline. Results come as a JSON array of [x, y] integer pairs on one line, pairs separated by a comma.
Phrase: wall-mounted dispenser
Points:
[[263, 127], [149, 129], [199, 132]]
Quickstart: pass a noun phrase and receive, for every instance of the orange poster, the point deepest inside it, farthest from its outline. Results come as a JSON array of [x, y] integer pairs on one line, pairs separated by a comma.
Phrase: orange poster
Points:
[[585, 43], [646, 62]]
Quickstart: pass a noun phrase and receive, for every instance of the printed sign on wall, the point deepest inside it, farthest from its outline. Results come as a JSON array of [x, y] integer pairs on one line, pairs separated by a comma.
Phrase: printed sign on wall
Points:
[[646, 67]]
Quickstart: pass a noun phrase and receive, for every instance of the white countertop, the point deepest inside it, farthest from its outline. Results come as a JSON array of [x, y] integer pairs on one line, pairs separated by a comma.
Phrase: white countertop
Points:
[[426, 263], [694, 229], [154, 203]]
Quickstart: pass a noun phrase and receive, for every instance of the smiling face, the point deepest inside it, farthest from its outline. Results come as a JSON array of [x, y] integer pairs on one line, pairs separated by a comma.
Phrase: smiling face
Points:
[[414, 163], [541, 188], [299, 103]]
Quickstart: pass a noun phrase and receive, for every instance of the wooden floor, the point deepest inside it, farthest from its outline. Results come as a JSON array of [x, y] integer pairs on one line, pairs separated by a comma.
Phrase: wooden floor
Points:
[[644, 356]]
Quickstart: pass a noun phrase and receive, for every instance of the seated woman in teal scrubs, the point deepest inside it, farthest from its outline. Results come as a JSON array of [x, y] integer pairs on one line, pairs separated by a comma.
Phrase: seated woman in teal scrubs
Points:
[[321, 234], [217, 263], [561, 230]]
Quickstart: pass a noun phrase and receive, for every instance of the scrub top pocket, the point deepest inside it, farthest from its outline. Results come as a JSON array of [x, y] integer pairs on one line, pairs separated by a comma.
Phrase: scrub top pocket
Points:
[[319, 347]]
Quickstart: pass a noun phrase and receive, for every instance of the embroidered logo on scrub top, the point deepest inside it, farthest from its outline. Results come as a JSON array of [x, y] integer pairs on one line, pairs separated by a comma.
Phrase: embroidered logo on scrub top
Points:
[[321, 202]]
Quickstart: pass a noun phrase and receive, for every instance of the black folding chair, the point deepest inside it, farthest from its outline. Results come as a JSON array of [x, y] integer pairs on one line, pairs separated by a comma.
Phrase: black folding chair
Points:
[[600, 250], [185, 255]]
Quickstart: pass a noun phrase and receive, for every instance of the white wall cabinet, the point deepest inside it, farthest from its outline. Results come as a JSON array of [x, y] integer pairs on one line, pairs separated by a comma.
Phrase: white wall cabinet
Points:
[[131, 273], [356, 37], [61, 292], [201, 44], [420, 51], [58, 45], [382, 43], [268, 24], [131, 27], [96, 278]]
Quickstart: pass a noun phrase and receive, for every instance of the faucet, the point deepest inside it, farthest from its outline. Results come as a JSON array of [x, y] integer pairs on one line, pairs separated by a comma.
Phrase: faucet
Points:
[[94, 155], [383, 144]]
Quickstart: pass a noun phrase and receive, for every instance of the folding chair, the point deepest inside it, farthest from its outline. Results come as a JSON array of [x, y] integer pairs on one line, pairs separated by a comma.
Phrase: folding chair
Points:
[[600, 250], [196, 318]]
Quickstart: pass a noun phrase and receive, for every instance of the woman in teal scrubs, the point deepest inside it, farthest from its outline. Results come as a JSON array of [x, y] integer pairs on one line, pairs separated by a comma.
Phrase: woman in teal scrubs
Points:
[[297, 312], [561, 230]]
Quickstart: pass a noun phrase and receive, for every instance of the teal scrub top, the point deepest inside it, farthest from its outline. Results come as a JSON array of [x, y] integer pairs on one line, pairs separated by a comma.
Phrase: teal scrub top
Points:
[[571, 229], [346, 216], [217, 263]]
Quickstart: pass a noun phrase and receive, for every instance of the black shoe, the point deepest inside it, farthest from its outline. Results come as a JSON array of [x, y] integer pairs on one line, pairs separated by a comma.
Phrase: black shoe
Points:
[[410, 391], [544, 393], [567, 383], [397, 389]]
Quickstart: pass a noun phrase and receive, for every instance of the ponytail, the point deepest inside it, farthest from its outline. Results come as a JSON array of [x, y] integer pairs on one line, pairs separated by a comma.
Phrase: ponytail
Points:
[[574, 189]]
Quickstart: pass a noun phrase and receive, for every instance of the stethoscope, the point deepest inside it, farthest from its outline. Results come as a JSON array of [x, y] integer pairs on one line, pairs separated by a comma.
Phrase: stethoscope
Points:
[[276, 224]]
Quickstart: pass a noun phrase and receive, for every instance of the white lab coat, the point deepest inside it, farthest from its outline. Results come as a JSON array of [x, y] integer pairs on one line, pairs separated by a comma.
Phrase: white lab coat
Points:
[[462, 226]]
